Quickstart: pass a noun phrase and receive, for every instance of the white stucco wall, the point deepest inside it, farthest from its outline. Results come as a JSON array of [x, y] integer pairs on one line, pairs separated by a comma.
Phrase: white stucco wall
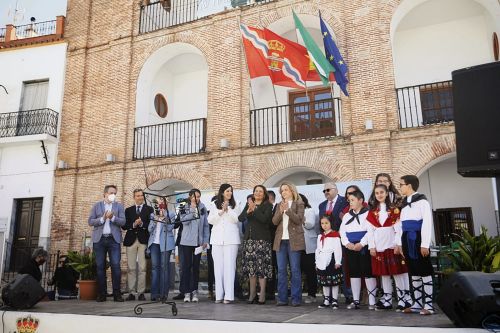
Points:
[[427, 49], [23, 172], [179, 72], [32, 63], [445, 188]]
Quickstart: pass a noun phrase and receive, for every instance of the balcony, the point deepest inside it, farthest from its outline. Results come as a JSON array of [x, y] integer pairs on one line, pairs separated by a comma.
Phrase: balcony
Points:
[[171, 139], [317, 119], [29, 125], [168, 13], [425, 104], [33, 33]]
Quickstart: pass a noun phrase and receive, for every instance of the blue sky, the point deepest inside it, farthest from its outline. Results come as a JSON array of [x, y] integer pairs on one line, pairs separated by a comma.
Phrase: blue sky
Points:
[[42, 10]]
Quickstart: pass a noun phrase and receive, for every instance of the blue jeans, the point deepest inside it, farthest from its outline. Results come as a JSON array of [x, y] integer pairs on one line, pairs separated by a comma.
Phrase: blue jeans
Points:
[[107, 245], [160, 272], [190, 269], [284, 256]]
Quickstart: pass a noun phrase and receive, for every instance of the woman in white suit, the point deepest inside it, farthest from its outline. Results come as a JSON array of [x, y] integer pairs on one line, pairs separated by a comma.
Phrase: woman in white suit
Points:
[[225, 239]]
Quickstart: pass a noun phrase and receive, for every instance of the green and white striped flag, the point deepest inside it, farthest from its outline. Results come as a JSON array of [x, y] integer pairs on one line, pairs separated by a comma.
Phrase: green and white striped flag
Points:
[[323, 66]]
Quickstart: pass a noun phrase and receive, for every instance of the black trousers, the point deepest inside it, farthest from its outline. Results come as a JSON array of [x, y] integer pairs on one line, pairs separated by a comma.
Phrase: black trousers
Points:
[[308, 266]]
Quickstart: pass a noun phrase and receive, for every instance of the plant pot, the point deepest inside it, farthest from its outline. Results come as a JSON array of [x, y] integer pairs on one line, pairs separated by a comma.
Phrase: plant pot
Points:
[[88, 290]]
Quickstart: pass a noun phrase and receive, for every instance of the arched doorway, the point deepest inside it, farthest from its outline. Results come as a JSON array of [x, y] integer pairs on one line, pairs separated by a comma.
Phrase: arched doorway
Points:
[[457, 201]]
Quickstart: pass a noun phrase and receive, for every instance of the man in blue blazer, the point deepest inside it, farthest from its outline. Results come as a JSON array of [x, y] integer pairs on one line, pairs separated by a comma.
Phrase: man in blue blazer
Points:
[[106, 218], [333, 205]]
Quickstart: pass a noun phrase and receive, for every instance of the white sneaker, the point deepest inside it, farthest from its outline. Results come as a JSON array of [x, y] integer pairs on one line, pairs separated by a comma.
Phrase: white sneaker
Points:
[[194, 298], [187, 298]]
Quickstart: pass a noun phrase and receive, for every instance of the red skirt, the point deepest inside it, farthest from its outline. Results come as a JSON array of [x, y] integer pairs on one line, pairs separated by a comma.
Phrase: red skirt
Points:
[[388, 263]]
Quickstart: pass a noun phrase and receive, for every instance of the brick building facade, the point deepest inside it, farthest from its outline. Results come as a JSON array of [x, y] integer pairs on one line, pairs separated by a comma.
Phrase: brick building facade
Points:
[[107, 51]]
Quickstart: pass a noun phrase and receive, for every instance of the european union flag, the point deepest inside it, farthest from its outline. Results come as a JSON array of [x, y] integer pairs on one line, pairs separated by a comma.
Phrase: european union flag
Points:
[[333, 55]]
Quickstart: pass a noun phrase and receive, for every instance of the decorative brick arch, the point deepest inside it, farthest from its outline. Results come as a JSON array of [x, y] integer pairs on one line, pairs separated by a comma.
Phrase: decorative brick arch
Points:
[[332, 167], [179, 172], [419, 158]]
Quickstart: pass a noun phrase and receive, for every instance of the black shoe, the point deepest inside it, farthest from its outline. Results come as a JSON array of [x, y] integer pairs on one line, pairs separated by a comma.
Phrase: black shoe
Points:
[[131, 297], [101, 298], [281, 304], [348, 300], [253, 301], [141, 297], [118, 298], [178, 297]]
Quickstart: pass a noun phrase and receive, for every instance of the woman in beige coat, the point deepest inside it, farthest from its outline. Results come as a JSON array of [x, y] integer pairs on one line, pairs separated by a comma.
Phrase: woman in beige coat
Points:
[[289, 242]]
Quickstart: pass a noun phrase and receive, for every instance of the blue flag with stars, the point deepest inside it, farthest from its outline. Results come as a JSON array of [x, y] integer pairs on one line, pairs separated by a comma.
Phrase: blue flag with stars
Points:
[[333, 55]]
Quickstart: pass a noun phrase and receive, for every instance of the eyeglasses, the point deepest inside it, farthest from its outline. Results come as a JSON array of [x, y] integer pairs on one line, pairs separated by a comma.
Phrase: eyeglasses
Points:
[[326, 190], [402, 184]]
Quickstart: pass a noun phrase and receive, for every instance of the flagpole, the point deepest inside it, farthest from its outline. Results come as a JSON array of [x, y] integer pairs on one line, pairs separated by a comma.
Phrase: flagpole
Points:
[[246, 60]]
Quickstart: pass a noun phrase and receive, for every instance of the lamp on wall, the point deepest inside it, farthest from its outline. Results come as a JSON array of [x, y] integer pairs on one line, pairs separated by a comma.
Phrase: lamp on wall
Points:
[[62, 164], [224, 143], [110, 158]]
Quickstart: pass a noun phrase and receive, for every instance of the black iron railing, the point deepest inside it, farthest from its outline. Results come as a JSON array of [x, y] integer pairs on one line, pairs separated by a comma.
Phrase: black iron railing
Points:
[[41, 121], [170, 139], [21, 257], [295, 122], [169, 13], [2, 34], [36, 29], [425, 104]]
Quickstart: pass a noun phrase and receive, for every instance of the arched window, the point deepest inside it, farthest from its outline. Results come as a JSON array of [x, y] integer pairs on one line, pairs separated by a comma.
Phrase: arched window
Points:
[[161, 106]]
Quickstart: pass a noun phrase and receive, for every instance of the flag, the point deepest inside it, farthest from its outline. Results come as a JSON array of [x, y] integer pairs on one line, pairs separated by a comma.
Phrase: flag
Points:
[[323, 67], [256, 51], [288, 61], [333, 55]]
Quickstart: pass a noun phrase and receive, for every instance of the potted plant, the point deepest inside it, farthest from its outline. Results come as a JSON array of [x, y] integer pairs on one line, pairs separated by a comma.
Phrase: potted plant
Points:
[[85, 264], [475, 253]]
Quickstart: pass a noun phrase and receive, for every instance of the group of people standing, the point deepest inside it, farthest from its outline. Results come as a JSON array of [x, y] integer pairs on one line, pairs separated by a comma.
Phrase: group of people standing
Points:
[[352, 240]]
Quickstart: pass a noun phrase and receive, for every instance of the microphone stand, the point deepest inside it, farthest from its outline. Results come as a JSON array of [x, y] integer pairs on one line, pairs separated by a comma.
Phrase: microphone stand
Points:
[[163, 255]]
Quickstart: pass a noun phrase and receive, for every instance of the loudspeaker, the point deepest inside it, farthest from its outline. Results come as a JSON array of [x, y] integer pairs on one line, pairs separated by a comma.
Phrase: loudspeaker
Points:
[[467, 298], [476, 102], [23, 292]]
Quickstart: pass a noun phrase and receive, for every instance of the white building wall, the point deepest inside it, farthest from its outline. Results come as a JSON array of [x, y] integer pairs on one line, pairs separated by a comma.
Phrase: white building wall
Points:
[[32, 63], [445, 188], [23, 172], [430, 53]]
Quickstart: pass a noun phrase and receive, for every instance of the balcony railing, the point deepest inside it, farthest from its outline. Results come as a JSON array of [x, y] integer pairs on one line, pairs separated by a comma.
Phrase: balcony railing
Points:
[[41, 121], [295, 122], [171, 139], [425, 104], [36, 29], [169, 13]]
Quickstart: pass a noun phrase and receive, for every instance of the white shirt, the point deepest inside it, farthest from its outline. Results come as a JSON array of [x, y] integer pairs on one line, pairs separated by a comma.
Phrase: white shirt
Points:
[[225, 229], [158, 228], [353, 227], [420, 210], [381, 238], [285, 223], [323, 253], [107, 229]]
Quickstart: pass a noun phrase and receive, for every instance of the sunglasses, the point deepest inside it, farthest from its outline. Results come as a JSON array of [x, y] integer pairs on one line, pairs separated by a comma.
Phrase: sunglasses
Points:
[[327, 190]]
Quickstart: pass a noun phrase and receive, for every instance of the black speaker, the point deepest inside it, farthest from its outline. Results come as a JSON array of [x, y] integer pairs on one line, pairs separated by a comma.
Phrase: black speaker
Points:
[[23, 292], [476, 102], [467, 298]]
